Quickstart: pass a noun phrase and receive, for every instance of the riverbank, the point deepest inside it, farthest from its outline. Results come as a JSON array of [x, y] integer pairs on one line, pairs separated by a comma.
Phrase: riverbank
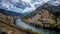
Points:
[[23, 29], [7, 24], [43, 19]]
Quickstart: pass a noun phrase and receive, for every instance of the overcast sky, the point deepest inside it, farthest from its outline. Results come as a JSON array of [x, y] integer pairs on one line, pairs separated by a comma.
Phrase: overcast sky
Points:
[[23, 6]]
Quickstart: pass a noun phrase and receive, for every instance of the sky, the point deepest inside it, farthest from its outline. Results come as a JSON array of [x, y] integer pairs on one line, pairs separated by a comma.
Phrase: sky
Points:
[[23, 6]]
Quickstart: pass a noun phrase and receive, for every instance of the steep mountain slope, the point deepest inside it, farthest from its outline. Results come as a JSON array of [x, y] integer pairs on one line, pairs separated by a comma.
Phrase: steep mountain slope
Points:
[[45, 17]]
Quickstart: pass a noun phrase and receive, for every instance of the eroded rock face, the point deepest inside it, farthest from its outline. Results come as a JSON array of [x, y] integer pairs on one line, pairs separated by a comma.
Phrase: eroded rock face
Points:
[[42, 17]]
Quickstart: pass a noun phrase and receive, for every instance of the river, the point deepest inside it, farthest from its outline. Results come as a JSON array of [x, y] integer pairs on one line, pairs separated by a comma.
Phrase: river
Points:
[[19, 22]]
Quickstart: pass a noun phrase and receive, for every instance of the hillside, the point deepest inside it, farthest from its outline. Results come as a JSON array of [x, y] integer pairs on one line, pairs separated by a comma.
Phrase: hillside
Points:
[[47, 17]]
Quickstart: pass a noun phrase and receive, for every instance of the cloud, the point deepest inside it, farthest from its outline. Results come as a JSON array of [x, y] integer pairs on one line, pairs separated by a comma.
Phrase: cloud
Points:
[[11, 5], [15, 1], [55, 3], [25, 0], [33, 7], [28, 10]]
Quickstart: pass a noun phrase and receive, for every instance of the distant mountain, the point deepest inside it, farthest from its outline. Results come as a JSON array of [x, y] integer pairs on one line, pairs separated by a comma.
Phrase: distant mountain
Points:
[[11, 13], [52, 9], [21, 5], [26, 13]]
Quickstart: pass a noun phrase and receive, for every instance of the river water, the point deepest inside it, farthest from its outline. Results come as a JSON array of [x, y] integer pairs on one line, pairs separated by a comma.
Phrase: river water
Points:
[[26, 26]]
